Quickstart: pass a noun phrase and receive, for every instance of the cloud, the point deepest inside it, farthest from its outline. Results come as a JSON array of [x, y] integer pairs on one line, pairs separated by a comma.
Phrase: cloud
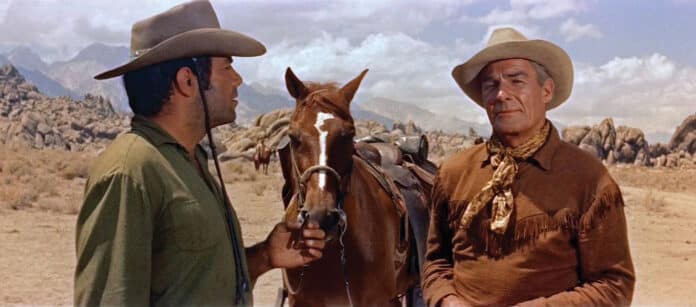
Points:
[[62, 28], [84, 27], [629, 71], [77, 23], [390, 58], [303, 21], [402, 68], [523, 11], [651, 93], [26, 22], [545, 9], [574, 31]]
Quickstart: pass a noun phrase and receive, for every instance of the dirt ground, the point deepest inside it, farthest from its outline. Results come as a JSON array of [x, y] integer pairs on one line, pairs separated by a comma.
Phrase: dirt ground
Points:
[[37, 227]]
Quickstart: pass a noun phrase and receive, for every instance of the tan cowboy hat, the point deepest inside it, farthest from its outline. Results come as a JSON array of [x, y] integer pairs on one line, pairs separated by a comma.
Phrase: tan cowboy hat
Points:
[[508, 43], [187, 30]]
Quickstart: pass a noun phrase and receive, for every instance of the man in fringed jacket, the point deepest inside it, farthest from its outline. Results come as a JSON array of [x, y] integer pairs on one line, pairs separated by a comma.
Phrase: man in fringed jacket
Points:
[[525, 218]]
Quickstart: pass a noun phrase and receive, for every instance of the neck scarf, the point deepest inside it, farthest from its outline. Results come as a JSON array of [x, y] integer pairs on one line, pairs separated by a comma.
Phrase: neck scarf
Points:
[[498, 191]]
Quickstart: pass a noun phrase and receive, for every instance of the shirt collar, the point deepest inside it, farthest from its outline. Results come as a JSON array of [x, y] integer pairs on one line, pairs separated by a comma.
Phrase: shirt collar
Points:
[[543, 157], [158, 136], [153, 132]]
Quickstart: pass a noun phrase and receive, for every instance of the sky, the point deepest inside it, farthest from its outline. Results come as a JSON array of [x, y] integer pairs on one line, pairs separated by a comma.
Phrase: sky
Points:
[[633, 61]]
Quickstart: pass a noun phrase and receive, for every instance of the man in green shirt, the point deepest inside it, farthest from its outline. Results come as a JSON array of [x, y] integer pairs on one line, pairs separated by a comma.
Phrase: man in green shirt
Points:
[[155, 227]]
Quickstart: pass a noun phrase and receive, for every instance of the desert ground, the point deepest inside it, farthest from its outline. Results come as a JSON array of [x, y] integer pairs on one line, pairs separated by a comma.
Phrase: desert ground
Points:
[[40, 194]]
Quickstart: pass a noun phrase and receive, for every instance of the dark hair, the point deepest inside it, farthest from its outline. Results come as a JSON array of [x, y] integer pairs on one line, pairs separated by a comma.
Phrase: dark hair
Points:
[[150, 87]]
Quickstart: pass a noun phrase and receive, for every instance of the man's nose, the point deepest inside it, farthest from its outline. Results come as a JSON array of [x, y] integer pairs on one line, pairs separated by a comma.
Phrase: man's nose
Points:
[[236, 78], [503, 93]]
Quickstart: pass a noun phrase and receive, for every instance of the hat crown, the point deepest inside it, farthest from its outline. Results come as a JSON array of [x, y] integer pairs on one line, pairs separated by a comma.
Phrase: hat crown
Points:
[[149, 32], [504, 35]]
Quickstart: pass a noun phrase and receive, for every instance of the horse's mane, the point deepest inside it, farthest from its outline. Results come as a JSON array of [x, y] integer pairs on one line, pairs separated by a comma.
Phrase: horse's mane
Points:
[[327, 101]]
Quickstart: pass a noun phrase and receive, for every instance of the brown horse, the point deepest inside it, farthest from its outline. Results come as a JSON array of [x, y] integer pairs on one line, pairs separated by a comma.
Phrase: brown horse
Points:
[[365, 259], [262, 157]]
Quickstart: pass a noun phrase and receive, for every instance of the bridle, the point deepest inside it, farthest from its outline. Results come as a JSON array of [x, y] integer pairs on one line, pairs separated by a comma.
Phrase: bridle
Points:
[[301, 179]]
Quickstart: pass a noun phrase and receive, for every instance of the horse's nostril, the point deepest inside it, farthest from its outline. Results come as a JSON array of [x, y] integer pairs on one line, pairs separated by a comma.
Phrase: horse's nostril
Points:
[[327, 220]]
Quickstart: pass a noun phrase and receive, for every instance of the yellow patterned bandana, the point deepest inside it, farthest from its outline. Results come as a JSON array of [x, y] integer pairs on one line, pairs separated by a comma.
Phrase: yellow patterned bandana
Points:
[[498, 191]]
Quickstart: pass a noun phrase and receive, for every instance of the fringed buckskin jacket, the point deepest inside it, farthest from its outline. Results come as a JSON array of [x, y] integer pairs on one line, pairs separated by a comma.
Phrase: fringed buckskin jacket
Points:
[[565, 245]]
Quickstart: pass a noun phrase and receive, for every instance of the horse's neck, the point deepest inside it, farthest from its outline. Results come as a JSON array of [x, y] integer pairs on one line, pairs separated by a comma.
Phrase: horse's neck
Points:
[[366, 195]]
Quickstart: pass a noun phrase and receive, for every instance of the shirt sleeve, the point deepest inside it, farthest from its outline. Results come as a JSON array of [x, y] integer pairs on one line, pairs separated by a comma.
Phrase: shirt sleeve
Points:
[[113, 242], [437, 268], [606, 270]]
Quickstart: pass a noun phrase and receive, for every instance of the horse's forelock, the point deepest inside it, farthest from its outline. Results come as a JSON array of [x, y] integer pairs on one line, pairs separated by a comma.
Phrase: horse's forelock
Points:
[[326, 101], [315, 86]]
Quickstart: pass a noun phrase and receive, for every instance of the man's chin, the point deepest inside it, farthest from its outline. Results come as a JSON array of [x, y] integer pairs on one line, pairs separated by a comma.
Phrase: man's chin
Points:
[[223, 120], [507, 128]]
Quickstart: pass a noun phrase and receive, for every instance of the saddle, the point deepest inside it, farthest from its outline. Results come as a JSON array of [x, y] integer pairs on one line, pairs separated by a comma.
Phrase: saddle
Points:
[[403, 170]]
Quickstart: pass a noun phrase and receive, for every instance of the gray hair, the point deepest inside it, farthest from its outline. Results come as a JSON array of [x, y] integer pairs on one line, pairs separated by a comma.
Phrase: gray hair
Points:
[[542, 73]]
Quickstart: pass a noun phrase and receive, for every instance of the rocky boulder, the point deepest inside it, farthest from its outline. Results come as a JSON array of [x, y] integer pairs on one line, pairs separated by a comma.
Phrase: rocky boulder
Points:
[[613, 144], [575, 134], [630, 145], [409, 128], [599, 139], [684, 137], [31, 119]]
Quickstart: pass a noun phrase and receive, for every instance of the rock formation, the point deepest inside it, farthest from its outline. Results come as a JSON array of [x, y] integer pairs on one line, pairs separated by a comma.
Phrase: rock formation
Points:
[[29, 118]]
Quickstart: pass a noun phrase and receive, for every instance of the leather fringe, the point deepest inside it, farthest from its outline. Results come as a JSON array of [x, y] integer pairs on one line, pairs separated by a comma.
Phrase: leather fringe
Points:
[[608, 199], [521, 234], [525, 232]]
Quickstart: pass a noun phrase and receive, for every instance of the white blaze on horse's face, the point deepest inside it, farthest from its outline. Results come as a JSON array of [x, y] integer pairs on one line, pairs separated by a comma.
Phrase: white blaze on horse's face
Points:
[[321, 119]]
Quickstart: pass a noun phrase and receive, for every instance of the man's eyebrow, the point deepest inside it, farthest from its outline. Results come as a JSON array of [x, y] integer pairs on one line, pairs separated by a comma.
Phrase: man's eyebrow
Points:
[[486, 78], [517, 73], [512, 74]]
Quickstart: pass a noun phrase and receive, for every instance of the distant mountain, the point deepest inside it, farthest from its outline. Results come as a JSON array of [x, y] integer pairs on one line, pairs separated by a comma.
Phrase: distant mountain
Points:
[[359, 113], [46, 85], [403, 112], [32, 67], [108, 56], [256, 99], [75, 78], [77, 74], [27, 59]]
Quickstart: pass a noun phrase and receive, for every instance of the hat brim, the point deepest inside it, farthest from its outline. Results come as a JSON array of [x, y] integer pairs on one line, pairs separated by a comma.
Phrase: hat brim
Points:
[[553, 58], [199, 42]]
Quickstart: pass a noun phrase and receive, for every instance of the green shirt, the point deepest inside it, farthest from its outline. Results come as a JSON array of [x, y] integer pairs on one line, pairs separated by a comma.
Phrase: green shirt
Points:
[[152, 230]]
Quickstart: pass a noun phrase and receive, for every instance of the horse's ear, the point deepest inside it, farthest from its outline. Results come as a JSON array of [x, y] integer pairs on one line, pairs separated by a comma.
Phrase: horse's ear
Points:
[[296, 88], [351, 87]]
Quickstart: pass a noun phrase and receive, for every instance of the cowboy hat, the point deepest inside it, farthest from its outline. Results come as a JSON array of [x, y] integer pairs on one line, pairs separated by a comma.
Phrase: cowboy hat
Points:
[[508, 43], [187, 30]]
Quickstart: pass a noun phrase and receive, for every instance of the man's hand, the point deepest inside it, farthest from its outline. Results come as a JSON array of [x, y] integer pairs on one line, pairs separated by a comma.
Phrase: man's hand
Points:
[[452, 301], [290, 246], [287, 246]]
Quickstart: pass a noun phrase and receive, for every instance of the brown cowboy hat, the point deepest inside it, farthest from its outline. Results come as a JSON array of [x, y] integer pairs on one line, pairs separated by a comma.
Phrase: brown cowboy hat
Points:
[[187, 30], [508, 43]]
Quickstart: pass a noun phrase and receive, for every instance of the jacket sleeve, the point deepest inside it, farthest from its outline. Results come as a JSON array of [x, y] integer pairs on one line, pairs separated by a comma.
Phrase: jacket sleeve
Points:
[[437, 269], [113, 242], [606, 270]]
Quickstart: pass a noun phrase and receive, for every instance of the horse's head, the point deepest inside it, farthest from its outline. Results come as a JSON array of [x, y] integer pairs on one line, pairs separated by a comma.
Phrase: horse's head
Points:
[[321, 131]]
